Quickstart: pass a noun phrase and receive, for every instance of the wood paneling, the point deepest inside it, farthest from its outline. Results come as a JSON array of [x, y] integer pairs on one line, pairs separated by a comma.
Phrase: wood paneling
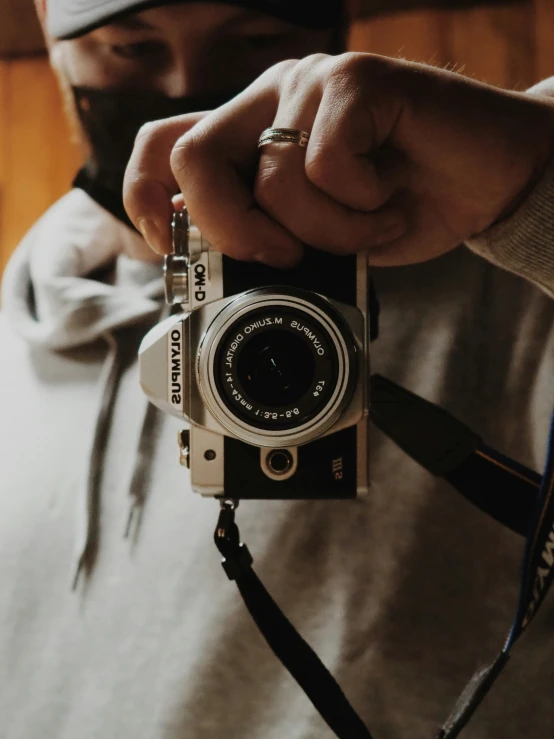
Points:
[[511, 45], [496, 45], [3, 130], [20, 32], [544, 38], [417, 36], [365, 8], [38, 159]]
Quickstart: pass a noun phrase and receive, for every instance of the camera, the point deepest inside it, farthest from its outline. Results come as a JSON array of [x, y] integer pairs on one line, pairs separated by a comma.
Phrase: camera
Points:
[[269, 367]]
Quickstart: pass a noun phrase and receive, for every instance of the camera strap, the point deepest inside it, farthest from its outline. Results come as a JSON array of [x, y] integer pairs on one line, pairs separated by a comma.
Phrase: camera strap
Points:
[[286, 643], [513, 494], [446, 447]]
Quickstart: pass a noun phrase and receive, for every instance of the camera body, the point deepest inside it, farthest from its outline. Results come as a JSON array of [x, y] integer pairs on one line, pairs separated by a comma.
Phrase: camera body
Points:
[[269, 367]]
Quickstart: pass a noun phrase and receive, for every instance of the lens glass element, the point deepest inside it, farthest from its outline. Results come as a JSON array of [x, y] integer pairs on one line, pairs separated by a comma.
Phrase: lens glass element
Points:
[[276, 367]]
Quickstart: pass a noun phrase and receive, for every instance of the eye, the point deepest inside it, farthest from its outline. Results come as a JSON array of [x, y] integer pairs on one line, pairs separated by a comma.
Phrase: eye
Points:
[[139, 50]]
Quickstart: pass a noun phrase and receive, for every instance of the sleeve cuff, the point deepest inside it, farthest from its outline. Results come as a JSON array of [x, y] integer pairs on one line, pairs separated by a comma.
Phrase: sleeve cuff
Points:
[[524, 242]]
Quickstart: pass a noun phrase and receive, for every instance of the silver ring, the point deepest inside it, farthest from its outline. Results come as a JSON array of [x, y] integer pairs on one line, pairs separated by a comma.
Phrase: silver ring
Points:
[[284, 135]]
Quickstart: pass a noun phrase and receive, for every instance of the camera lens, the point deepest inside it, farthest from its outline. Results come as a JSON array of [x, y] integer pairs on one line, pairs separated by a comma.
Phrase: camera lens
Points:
[[276, 368]]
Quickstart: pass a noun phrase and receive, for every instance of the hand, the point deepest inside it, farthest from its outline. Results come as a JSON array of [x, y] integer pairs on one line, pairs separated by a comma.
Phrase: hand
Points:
[[404, 160]]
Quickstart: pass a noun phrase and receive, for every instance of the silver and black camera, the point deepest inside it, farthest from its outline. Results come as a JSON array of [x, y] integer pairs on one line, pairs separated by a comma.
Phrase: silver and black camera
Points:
[[269, 367]]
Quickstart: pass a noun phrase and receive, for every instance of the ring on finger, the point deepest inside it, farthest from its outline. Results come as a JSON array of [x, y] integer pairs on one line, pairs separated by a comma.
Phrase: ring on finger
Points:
[[284, 135]]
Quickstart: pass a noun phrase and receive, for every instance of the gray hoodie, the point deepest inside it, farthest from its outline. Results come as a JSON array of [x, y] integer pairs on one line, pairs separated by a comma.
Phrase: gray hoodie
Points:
[[402, 593]]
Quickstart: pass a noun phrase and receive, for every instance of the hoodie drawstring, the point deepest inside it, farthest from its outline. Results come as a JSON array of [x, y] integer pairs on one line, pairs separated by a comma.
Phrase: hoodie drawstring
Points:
[[140, 477], [141, 470], [89, 499]]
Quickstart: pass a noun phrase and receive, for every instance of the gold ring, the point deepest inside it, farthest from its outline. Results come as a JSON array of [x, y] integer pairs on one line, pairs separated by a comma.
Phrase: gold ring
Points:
[[284, 135]]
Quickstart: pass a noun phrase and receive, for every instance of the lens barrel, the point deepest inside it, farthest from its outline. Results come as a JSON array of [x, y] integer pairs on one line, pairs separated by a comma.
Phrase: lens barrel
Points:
[[279, 365]]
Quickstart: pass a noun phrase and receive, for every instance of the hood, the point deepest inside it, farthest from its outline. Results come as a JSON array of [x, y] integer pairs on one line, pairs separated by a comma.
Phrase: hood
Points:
[[69, 284], [51, 292]]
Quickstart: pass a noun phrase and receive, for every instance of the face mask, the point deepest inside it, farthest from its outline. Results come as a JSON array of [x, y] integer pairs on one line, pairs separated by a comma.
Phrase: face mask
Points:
[[111, 120]]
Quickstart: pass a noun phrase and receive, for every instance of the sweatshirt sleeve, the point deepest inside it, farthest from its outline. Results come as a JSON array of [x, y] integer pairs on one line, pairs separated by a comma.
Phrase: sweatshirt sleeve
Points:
[[524, 242]]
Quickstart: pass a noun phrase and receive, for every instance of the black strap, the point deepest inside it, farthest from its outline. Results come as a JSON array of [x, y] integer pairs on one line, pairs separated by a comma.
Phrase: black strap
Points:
[[503, 488], [507, 493], [448, 448], [289, 647]]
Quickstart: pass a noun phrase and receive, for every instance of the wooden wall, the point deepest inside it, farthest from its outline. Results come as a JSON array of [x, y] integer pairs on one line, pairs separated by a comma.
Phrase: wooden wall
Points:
[[510, 46], [37, 158]]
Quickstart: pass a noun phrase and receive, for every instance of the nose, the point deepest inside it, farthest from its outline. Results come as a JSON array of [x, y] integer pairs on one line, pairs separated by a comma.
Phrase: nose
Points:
[[176, 81], [185, 74]]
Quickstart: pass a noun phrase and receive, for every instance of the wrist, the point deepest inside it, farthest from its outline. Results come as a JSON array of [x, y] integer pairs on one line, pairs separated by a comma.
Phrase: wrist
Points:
[[523, 242]]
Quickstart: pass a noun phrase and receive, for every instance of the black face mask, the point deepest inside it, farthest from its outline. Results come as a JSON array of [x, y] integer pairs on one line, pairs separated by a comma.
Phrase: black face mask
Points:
[[111, 120]]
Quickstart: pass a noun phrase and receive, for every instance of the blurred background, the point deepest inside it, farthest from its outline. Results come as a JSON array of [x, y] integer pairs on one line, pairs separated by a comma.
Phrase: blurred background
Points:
[[509, 44]]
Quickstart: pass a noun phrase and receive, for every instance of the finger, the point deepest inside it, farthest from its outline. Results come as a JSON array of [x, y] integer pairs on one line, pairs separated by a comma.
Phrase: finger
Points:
[[214, 166], [407, 250], [345, 157], [149, 183], [285, 192], [428, 236]]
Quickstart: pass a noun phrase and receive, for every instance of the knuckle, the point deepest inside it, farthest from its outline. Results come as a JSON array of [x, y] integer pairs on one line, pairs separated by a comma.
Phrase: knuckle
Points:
[[147, 132], [136, 196], [313, 61], [351, 66], [275, 75], [284, 67], [320, 169], [134, 183], [186, 150], [304, 69]]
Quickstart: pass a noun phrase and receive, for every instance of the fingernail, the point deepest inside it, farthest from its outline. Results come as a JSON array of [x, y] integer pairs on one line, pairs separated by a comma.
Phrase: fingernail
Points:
[[151, 234], [178, 201]]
